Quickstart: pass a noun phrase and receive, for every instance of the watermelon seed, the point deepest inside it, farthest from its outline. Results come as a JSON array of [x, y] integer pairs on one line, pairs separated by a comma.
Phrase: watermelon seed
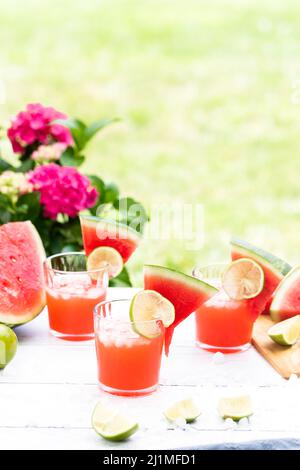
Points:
[[13, 259]]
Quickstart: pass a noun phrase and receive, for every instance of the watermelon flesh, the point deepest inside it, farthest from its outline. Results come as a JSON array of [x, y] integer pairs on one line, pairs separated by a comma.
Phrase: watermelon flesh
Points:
[[99, 232], [286, 300], [22, 294], [186, 293], [274, 269]]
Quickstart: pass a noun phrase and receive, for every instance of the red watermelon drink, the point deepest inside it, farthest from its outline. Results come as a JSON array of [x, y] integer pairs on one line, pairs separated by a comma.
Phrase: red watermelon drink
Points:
[[72, 292], [246, 286], [223, 324], [129, 349]]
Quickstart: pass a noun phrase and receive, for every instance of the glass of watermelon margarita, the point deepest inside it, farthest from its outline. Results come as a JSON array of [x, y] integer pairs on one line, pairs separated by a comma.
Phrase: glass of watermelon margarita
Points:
[[128, 363], [222, 324], [72, 292]]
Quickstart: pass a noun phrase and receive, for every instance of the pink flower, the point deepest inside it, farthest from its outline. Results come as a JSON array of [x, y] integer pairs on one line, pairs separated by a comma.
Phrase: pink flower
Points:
[[63, 190], [33, 126]]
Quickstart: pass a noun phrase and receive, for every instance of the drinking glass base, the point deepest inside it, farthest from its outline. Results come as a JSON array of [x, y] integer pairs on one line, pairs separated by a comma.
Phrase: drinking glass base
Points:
[[72, 337], [128, 393], [223, 349]]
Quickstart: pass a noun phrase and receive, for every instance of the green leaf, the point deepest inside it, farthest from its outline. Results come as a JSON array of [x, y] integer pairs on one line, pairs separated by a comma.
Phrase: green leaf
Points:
[[5, 216], [26, 166], [29, 206], [111, 193], [132, 213], [7, 207], [99, 184], [69, 158], [123, 280], [97, 126], [77, 129], [4, 166]]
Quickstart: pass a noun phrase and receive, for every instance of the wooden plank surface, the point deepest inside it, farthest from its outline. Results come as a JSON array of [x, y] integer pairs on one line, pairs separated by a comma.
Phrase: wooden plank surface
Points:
[[48, 392], [284, 359]]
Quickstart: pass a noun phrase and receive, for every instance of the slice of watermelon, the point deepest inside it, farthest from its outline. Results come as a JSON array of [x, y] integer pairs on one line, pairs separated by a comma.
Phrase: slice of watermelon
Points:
[[286, 300], [274, 269], [185, 292], [101, 232], [22, 294]]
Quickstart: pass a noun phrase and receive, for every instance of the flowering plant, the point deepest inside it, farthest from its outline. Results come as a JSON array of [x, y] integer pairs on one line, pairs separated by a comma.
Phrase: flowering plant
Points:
[[46, 186]]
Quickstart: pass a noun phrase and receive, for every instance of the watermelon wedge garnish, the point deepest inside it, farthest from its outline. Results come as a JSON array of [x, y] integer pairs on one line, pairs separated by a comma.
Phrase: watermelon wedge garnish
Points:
[[22, 294], [286, 299], [185, 292], [274, 270], [102, 232]]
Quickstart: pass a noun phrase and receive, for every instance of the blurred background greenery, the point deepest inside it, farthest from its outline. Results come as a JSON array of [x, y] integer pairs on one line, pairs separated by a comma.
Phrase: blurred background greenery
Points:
[[209, 94]]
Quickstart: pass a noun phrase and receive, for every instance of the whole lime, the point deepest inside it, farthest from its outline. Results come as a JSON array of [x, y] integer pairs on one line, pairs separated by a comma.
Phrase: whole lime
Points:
[[8, 345]]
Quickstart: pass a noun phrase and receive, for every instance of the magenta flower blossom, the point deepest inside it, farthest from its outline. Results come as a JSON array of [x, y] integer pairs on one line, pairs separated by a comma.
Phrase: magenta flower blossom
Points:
[[33, 126], [63, 190]]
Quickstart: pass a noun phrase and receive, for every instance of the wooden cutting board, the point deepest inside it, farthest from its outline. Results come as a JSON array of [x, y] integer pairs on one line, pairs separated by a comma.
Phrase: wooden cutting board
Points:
[[284, 359]]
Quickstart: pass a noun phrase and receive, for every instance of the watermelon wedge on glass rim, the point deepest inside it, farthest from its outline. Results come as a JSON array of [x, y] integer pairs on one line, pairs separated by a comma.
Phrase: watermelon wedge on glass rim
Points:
[[22, 294], [286, 298], [275, 269], [185, 292], [98, 232]]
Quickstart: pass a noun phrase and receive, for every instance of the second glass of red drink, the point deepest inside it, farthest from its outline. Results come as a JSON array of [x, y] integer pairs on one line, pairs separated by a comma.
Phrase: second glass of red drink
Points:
[[72, 292]]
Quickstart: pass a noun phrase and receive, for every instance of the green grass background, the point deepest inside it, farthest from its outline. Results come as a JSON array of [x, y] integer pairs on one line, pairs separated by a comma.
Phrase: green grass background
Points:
[[208, 92]]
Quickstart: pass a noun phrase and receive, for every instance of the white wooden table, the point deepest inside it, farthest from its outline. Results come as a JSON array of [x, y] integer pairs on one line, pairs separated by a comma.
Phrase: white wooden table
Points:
[[48, 392]]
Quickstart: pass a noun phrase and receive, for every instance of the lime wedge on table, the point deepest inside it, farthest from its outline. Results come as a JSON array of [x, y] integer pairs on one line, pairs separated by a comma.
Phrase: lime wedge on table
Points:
[[103, 255], [8, 345], [186, 409], [243, 279], [112, 425], [148, 306], [286, 332], [235, 407]]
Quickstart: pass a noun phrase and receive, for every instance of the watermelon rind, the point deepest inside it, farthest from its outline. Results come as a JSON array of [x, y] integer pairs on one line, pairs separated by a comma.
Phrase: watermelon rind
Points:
[[169, 273], [17, 320], [110, 225], [286, 285], [276, 265]]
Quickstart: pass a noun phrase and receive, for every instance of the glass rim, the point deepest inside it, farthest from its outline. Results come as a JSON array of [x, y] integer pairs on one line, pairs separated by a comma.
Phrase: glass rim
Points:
[[67, 253], [97, 315]]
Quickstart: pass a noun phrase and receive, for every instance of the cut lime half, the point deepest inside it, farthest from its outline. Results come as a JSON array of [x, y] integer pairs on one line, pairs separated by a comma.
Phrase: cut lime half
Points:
[[286, 332], [186, 409], [235, 407], [148, 306], [243, 279], [8, 345], [105, 256], [111, 425]]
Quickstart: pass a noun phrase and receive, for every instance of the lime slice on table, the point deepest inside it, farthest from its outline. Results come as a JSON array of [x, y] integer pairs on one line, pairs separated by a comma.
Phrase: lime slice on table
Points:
[[286, 332], [243, 279], [186, 409], [8, 345], [149, 305], [235, 407], [103, 255], [112, 425]]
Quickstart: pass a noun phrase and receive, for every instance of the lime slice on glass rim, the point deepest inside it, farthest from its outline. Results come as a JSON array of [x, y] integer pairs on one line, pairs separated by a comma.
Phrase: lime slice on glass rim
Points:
[[147, 306], [105, 255], [8, 345], [235, 407], [286, 332], [243, 279], [186, 409], [112, 425]]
